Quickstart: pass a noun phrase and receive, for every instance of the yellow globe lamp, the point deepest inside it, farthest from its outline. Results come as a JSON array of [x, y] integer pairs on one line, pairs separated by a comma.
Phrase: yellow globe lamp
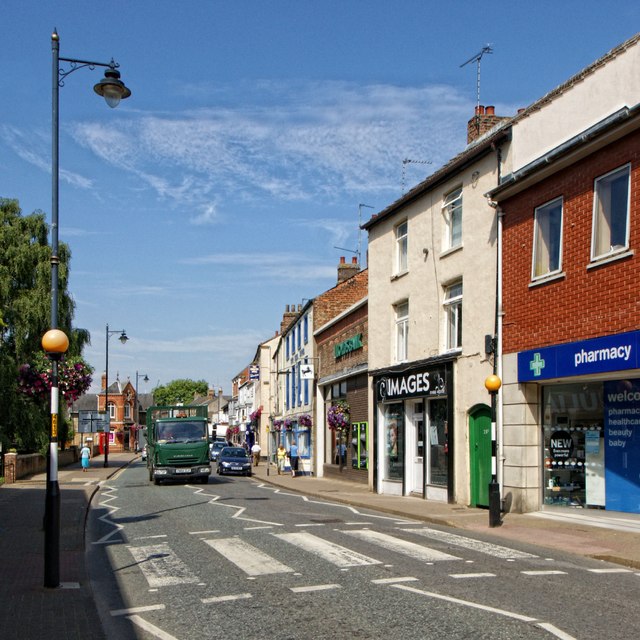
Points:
[[493, 383], [55, 341]]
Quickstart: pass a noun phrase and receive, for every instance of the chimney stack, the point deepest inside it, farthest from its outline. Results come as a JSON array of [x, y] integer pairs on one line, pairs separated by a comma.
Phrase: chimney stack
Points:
[[346, 271], [288, 317], [485, 118]]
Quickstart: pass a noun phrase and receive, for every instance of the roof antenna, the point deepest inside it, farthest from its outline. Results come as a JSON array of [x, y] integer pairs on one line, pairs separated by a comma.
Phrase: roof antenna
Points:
[[486, 49], [407, 161], [358, 251]]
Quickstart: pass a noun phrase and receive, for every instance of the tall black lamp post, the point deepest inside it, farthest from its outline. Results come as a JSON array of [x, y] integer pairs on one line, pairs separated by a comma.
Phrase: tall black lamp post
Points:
[[145, 378], [493, 384], [107, 429], [113, 90]]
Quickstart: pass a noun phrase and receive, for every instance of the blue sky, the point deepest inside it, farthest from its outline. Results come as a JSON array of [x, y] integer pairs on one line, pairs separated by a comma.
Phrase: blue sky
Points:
[[217, 193]]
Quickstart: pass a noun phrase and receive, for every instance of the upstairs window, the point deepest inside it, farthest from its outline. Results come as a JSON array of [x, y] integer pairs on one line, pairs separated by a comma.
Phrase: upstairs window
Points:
[[452, 210], [306, 329], [547, 239], [127, 410], [401, 247], [402, 331], [112, 411], [611, 213], [453, 315]]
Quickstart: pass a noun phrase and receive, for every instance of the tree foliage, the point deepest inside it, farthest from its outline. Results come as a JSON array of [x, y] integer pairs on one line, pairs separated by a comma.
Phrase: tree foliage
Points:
[[180, 391], [25, 316]]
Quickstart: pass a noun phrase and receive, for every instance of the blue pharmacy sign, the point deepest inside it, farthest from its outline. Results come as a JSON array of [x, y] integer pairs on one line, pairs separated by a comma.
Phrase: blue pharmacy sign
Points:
[[599, 355], [622, 445]]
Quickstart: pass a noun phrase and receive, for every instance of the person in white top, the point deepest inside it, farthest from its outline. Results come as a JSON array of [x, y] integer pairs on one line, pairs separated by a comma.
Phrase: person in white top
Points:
[[255, 452]]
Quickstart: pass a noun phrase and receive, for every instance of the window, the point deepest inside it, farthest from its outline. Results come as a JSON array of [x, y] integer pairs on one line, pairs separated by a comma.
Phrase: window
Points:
[[127, 410], [402, 331], [452, 209], [453, 314], [286, 345], [298, 336], [547, 239], [611, 213], [112, 411], [306, 329], [401, 247]]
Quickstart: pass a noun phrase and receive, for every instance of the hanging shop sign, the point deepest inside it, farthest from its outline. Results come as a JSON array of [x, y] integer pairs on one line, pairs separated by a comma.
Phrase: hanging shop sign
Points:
[[599, 355], [412, 384]]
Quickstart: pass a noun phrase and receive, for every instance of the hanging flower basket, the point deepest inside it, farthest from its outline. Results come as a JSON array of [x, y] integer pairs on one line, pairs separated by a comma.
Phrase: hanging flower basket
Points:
[[277, 424], [287, 424], [339, 416], [305, 420], [233, 430], [255, 416]]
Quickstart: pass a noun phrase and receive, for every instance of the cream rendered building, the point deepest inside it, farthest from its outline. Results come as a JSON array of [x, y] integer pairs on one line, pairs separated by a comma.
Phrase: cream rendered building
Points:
[[432, 302]]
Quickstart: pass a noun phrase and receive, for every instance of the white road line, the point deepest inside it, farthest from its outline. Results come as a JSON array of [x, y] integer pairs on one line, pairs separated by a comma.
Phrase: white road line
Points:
[[555, 631], [334, 553], [246, 557], [132, 610], [150, 628], [202, 533], [411, 549], [317, 587], [310, 524], [487, 548], [394, 580], [162, 535], [472, 575], [544, 573], [161, 567], [610, 570], [230, 598], [268, 526], [464, 603]]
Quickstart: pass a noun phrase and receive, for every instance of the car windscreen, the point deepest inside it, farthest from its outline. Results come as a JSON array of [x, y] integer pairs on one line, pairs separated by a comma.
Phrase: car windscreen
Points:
[[229, 452]]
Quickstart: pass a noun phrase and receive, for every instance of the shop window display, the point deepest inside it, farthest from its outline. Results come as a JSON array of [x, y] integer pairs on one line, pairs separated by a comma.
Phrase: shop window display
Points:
[[394, 441]]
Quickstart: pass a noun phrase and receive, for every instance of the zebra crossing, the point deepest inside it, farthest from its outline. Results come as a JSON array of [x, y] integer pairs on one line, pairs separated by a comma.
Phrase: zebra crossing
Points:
[[161, 567]]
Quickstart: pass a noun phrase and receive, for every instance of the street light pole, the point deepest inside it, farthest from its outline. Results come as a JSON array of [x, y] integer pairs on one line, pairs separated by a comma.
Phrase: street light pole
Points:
[[493, 384], [145, 379], [113, 90], [123, 338]]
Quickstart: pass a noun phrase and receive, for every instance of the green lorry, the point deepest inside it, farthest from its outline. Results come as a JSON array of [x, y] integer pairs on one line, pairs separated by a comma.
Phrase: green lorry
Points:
[[178, 443]]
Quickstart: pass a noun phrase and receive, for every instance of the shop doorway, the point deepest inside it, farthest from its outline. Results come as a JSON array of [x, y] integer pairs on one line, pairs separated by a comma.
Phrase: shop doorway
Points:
[[415, 444], [480, 455]]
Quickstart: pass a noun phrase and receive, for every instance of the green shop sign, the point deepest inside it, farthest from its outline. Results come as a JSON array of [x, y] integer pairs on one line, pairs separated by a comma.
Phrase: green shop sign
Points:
[[347, 346]]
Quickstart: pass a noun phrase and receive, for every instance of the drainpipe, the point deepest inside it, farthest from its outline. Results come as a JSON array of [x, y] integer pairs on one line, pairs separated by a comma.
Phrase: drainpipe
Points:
[[498, 354]]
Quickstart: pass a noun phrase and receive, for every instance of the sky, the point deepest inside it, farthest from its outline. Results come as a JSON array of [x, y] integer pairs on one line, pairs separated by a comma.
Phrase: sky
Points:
[[236, 175]]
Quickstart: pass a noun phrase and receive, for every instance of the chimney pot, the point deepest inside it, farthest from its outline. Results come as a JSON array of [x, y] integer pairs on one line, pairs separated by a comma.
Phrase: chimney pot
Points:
[[490, 111], [354, 260], [342, 260]]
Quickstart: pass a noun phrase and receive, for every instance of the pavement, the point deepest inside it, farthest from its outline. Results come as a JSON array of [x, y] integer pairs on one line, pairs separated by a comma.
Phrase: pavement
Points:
[[31, 611]]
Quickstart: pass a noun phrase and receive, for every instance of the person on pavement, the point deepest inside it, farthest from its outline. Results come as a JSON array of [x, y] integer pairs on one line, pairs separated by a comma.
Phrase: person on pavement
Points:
[[85, 456], [293, 458], [281, 456], [255, 452]]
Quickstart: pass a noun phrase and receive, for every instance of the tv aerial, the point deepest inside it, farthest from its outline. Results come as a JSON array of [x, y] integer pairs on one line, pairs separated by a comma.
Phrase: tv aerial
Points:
[[477, 58]]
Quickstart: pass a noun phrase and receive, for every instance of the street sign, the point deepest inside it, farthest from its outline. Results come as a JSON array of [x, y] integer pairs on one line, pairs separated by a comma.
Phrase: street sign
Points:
[[91, 421]]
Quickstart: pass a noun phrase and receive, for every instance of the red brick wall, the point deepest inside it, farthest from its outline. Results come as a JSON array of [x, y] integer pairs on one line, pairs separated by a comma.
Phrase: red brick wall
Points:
[[587, 302], [332, 303]]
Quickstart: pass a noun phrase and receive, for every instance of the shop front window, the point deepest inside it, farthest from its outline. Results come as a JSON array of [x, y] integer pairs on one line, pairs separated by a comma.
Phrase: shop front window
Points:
[[574, 447], [360, 445], [394, 441], [438, 443]]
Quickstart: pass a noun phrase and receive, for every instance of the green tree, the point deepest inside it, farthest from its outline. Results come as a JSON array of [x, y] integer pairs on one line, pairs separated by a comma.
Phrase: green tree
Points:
[[25, 313], [180, 391]]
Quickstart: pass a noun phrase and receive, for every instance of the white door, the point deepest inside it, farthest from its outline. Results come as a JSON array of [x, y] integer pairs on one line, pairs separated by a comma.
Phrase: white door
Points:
[[417, 448]]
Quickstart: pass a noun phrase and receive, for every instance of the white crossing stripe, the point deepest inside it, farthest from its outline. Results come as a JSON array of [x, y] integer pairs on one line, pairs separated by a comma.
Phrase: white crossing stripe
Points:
[[472, 575], [487, 548], [229, 598], [411, 549], [394, 580], [609, 570], [246, 557], [544, 573], [334, 553], [132, 610], [317, 587], [161, 567]]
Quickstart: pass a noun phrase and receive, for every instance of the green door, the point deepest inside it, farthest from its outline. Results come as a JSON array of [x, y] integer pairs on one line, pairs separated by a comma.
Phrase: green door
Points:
[[480, 455]]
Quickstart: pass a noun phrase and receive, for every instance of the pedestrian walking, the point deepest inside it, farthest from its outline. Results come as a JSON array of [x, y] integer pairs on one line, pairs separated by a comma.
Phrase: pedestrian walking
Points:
[[293, 457], [255, 452], [281, 456], [85, 456]]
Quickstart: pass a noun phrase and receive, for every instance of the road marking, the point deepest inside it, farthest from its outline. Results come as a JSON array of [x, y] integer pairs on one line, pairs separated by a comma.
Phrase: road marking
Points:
[[411, 549], [260, 527], [394, 580], [310, 524], [162, 535], [230, 598], [334, 553], [203, 533], [150, 628], [246, 557], [487, 548], [610, 570], [161, 567], [132, 610], [544, 573], [464, 603], [547, 626], [472, 575], [317, 587]]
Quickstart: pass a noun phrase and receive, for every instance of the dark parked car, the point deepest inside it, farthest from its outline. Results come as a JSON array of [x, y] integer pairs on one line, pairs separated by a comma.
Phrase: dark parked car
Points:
[[234, 460], [215, 448]]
